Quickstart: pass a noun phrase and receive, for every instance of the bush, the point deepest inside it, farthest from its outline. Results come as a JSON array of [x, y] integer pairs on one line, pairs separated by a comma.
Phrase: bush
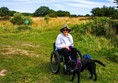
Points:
[[115, 41], [104, 27], [81, 29], [115, 25], [5, 18], [17, 19], [101, 26], [115, 15], [46, 18], [23, 28]]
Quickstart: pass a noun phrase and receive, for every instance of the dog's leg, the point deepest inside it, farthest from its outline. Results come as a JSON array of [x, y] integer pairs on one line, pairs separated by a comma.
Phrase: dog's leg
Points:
[[91, 76], [94, 72], [90, 71], [78, 76], [95, 76]]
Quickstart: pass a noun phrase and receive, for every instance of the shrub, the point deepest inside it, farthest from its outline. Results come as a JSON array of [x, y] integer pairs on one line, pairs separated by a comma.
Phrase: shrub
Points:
[[115, 25], [17, 19], [104, 27], [101, 26], [23, 28], [81, 29], [46, 18], [115, 41], [115, 15]]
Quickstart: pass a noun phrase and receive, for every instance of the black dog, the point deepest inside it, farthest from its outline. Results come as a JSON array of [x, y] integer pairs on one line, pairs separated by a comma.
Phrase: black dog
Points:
[[85, 64]]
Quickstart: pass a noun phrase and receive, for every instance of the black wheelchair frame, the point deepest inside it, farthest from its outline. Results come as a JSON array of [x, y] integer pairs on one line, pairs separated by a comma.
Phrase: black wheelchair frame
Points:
[[56, 59]]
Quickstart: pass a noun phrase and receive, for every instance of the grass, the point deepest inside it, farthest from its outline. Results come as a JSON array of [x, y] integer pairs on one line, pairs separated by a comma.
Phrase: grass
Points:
[[26, 55]]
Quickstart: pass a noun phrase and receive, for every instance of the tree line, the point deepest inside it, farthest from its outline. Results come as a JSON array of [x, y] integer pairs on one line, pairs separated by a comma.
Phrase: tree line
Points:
[[46, 11], [41, 11]]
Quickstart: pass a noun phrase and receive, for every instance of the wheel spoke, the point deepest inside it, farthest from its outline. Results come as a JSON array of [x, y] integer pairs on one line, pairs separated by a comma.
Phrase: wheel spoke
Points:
[[55, 62]]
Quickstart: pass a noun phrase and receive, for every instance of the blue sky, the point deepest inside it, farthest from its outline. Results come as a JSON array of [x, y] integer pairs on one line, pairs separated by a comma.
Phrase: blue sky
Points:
[[78, 7]]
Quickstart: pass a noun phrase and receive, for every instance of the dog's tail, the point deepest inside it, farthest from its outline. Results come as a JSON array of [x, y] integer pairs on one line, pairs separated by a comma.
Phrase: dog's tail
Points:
[[99, 62]]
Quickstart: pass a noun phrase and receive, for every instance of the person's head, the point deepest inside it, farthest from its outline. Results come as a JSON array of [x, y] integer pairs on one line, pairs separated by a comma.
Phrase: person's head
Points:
[[65, 30]]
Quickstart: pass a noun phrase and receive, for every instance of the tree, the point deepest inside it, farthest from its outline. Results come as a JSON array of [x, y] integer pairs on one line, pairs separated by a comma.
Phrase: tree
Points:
[[11, 13], [52, 13], [61, 13], [108, 11], [96, 11], [87, 15], [4, 11], [42, 11], [104, 11], [116, 1]]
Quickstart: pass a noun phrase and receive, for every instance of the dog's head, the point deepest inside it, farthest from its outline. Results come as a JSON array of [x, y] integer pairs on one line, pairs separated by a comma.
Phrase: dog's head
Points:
[[75, 65], [72, 64]]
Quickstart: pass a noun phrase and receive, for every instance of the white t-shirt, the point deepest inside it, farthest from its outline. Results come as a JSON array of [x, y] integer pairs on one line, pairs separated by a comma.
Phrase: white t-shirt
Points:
[[62, 41]]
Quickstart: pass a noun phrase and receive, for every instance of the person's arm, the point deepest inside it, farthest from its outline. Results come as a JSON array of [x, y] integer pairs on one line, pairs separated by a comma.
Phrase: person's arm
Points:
[[59, 42], [71, 40]]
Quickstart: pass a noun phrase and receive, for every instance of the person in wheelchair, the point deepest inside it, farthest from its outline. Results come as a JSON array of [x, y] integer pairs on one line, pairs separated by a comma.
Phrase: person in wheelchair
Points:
[[64, 45]]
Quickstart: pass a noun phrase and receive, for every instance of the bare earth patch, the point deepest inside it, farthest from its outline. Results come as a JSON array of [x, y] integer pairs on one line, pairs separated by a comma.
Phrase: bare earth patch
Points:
[[29, 45], [3, 72], [9, 50]]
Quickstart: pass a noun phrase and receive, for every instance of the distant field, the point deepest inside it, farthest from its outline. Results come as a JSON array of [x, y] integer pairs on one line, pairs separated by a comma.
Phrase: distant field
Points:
[[39, 22]]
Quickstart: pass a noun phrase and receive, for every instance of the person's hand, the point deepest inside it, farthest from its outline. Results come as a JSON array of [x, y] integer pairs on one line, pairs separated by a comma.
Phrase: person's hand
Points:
[[68, 48]]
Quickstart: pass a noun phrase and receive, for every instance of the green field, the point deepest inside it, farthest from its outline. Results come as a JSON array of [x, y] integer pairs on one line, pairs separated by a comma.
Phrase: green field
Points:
[[26, 57]]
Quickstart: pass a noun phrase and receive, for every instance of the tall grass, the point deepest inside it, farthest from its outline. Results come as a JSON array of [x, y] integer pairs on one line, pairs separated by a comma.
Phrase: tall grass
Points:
[[40, 24], [57, 22]]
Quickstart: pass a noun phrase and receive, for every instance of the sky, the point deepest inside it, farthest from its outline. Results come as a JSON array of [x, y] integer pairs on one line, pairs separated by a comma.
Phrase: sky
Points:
[[78, 7]]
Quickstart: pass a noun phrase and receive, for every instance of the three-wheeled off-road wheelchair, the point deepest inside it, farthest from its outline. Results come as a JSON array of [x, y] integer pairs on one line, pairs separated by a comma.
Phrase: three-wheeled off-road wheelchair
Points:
[[56, 59]]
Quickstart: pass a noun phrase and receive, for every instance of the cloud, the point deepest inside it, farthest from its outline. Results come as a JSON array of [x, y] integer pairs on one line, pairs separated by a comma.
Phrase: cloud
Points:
[[74, 3], [18, 1], [88, 3], [22, 0], [111, 0]]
